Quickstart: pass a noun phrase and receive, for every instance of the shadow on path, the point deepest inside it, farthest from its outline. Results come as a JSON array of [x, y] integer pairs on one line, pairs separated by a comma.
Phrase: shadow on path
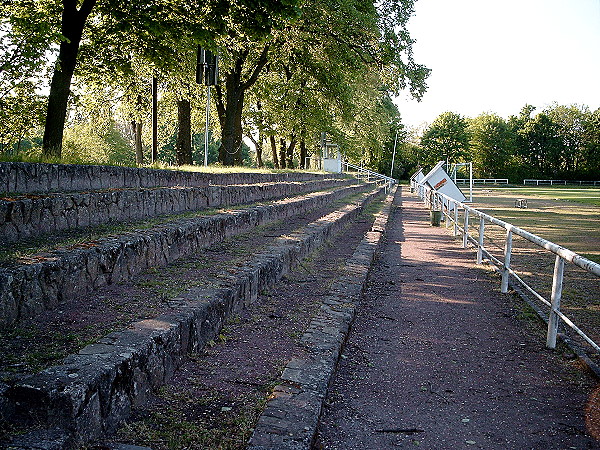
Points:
[[438, 358]]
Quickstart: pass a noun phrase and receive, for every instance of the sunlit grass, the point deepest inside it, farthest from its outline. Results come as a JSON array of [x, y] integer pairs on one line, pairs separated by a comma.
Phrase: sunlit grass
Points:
[[586, 195], [212, 168]]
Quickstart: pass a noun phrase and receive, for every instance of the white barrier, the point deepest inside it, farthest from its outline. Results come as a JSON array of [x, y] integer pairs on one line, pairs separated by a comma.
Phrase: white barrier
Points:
[[504, 266], [560, 182]]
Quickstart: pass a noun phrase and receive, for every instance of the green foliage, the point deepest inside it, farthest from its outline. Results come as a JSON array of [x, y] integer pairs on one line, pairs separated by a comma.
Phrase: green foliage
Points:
[[560, 142], [447, 138], [21, 114], [86, 142], [491, 146]]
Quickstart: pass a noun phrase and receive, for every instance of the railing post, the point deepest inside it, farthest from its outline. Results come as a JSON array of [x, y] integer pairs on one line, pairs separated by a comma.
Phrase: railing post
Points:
[[455, 219], [505, 269], [557, 284], [480, 242], [466, 229]]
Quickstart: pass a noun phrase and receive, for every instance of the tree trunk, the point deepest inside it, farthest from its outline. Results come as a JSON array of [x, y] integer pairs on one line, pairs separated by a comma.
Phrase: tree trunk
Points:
[[183, 146], [274, 152], [73, 22], [290, 153], [303, 154], [136, 127], [230, 108], [230, 117], [154, 151], [259, 150], [282, 152]]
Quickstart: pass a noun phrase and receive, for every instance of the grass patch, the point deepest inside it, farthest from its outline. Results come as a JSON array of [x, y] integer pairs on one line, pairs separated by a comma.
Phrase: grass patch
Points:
[[566, 216], [35, 157], [182, 420]]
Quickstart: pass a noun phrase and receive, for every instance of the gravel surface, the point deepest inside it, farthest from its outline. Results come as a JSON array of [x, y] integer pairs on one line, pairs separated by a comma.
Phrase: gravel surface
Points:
[[438, 358], [83, 319], [215, 398]]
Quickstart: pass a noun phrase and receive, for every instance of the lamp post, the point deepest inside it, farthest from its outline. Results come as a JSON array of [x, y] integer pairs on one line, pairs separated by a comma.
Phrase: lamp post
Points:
[[207, 72], [394, 154]]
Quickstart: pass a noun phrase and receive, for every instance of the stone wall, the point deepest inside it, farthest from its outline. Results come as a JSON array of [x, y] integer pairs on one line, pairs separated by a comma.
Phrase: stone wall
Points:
[[28, 289], [94, 390], [32, 215], [43, 178]]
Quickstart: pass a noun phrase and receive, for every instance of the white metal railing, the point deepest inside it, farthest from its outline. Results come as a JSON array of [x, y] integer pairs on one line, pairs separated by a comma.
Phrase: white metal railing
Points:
[[368, 175], [482, 181], [450, 208], [560, 182]]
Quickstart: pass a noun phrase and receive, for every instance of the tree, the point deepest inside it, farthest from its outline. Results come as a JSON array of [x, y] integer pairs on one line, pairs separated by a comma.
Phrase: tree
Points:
[[543, 145], [447, 138], [318, 73], [592, 145], [492, 144], [73, 21], [244, 54], [571, 121]]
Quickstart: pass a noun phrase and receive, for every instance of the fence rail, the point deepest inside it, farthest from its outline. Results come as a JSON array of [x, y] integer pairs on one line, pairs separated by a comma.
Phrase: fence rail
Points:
[[450, 209], [368, 174], [482, 181], [560, 182]]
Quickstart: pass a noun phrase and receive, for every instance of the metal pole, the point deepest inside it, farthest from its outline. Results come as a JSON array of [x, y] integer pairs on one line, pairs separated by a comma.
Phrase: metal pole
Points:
[[471, 181], [154, 155], [466, 229], [394, 154], [207, 126], [557, 284], [505, 269], [480, 243]]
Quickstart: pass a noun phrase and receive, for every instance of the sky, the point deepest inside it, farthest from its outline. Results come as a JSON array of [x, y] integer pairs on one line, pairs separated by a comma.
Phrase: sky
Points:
[[497, 56]]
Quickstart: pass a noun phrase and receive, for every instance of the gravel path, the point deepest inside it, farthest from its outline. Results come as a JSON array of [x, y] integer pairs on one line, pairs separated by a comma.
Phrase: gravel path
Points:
[[439, 359]]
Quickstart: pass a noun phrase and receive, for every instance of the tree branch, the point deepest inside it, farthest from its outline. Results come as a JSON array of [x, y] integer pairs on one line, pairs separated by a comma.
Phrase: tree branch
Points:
[[260, 64]]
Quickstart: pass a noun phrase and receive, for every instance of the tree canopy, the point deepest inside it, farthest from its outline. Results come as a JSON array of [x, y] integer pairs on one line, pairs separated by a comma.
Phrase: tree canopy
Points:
[[290, 70], [558, 142]]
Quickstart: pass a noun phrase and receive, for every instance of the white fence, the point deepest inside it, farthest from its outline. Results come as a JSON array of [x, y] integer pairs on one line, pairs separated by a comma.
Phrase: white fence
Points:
[[368, 175], [453, 210], [560, 182], [482, 181]]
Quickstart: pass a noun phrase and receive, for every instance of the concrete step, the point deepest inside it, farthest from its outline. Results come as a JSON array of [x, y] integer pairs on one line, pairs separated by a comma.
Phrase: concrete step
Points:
[[40, 282], [22, 178], [92, 391], [32, 215], [291, 416]]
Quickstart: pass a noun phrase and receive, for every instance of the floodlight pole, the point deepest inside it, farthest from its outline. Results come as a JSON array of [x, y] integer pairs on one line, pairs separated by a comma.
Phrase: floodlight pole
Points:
[[394, 154], [154, 153], [471, 181], [207, 126]]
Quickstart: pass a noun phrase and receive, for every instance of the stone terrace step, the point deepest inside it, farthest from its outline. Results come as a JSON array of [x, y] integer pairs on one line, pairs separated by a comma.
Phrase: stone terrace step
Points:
[[31, 215], [43, 178], [41, 282], [92, 391]]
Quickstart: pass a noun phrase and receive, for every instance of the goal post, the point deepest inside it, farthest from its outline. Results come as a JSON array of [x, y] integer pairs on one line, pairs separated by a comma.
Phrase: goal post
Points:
[[455, 167]]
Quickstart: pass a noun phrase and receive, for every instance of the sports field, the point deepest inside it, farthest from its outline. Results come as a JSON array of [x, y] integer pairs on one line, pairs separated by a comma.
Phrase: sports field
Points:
[[564, 215], [567, 216]]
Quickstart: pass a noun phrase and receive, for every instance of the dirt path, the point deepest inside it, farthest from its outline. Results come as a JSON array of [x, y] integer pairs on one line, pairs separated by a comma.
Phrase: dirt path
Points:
[[439, 359]]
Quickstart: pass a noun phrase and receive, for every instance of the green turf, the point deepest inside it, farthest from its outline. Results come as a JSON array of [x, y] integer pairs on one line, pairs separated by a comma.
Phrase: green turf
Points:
[[564, 215], [585, 195]]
